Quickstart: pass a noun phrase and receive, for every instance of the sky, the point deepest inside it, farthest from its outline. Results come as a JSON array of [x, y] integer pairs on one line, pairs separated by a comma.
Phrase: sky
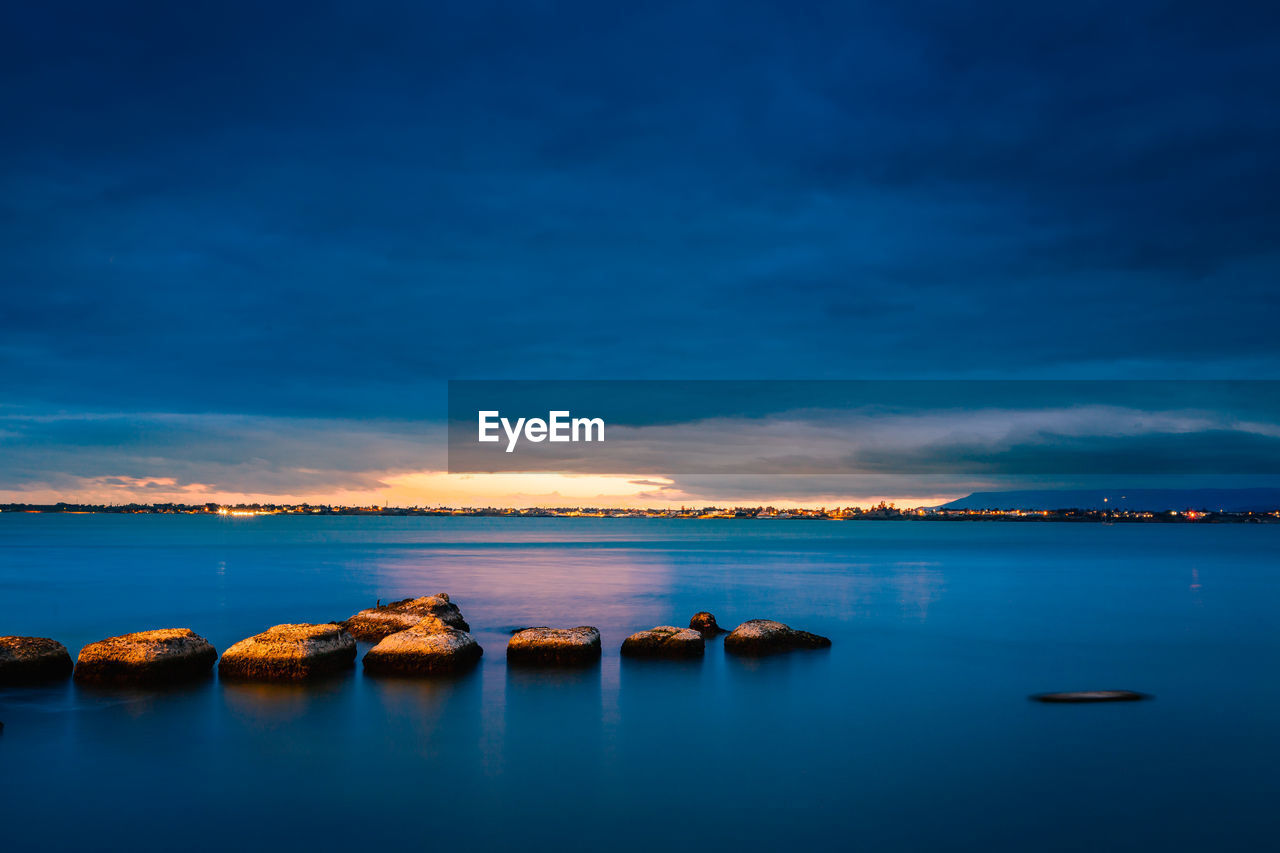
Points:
[[243, 247]]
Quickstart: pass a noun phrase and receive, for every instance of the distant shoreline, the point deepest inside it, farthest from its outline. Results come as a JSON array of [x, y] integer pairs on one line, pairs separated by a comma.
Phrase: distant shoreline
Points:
[[879, 513]]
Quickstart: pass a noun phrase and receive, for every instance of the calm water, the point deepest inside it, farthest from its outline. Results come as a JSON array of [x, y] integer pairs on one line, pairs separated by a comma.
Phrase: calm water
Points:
[[912, 732]]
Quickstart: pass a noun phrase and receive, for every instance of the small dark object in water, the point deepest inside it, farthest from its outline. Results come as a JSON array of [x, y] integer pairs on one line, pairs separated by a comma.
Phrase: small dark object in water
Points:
[[1091, 696], [705, 624]]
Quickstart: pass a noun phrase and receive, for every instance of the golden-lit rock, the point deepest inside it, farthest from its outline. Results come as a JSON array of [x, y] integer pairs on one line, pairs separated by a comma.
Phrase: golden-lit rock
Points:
[[146, 657], [665, 641], [24, 660], [378, 622], [428, 648], [554, 646], [289, 653], [705, 624], [766, 637]]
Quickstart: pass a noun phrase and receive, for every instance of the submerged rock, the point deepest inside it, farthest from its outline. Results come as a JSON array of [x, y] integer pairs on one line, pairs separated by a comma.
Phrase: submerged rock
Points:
[[150, 657], [288, 653], [428, 648], [27, 659], [554, 646], [665, 641], [705, 624], [383, 621], [1092, 696], [766, 637]]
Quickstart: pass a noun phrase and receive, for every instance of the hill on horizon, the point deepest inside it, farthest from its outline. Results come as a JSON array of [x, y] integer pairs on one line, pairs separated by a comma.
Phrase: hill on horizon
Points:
[[1141, 500]]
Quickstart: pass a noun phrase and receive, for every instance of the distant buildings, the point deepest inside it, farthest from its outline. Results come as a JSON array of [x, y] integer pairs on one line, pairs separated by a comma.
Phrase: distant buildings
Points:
[[881, 512]]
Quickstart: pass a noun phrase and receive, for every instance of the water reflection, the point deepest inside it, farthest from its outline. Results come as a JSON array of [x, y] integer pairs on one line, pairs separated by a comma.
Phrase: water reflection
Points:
[[918, 585], [281, 702], [426, 698], [553, 715], [781, 665], [504, 589], [436, 718], [139, 700], [539, 681]]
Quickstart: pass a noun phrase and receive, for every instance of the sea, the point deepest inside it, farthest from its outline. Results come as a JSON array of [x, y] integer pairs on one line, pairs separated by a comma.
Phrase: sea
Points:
[[914, 731]]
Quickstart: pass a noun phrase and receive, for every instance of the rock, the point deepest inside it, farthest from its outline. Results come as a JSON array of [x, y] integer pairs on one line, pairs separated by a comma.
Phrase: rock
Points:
[[766, 637], [665, 641], [146, 657], [24, 660], [554, 646], [428, 648], [289, 653], [705, 624], [383, 621], [1091, 696]]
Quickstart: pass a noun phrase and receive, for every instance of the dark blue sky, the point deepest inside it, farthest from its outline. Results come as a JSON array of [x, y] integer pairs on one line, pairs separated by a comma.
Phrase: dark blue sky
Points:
[[322, 211]]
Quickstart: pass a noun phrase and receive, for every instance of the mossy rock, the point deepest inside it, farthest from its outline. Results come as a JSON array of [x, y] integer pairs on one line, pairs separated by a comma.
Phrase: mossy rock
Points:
[[665, 642], [289, 653], [377, 622], [428, 648], [146, 657], [544, 646], [757, 637], [29, 660]]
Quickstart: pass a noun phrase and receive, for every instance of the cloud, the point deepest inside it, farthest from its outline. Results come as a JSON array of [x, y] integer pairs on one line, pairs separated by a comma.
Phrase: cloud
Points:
[[914, 437], [227, 453], [284, 239], [219, 218], [821, 456]]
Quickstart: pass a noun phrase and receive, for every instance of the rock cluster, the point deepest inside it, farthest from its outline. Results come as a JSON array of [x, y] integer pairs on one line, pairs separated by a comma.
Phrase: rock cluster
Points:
[[29, 659], [428, 648], [665, 641], [289, 653], [705, 624], [146, 657], [554, 646], [383, 621], [413, 637], [766, 637]]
